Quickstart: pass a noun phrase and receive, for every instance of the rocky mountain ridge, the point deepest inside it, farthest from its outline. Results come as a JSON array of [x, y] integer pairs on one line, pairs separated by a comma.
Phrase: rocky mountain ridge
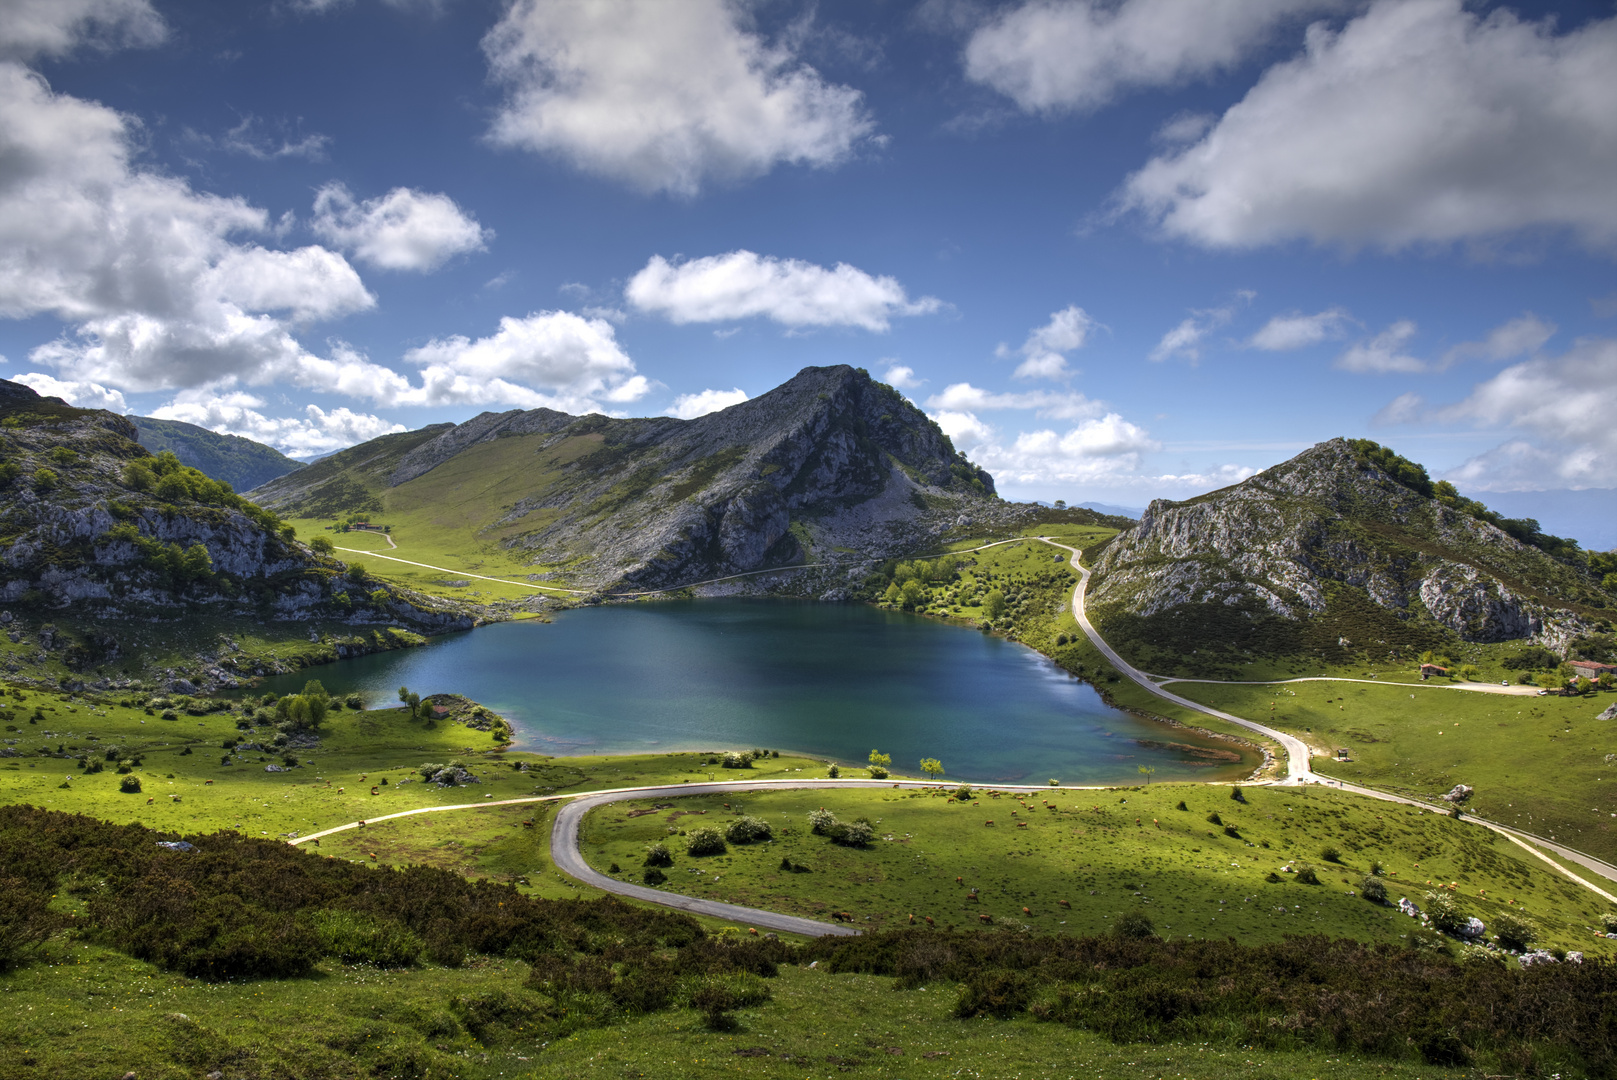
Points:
[[830, 466], [1341, 542], [93, 522]]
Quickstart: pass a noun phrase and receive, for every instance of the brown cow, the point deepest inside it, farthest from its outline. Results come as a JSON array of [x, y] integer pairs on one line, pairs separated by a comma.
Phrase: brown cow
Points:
[[985, 917]]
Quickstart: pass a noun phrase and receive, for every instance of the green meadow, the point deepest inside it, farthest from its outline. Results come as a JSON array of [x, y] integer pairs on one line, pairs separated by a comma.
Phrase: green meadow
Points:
[[1075, 861], [1540, 764]]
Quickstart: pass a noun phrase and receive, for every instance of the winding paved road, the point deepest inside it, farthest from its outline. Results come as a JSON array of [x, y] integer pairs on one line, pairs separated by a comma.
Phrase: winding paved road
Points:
[[568, 859]]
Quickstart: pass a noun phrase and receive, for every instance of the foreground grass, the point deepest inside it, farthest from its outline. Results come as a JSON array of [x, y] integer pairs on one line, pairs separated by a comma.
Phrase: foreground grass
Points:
[[1538, 763], [88, 1011], [1105, 853]]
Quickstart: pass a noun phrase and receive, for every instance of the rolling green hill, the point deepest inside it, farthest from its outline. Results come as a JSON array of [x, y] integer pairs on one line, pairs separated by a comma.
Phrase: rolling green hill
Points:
[[239, 462]]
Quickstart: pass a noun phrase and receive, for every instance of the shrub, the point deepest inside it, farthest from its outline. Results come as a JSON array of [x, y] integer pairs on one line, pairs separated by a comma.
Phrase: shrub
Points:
[[1330, 854], [1373, 889], [878, 773], [998, 993], [821, 821], [1444, 913], [355, 938], [26, 920], [833, 772], [1513, 931], [1134, 926], [745, 830], [658, 855], [129, 785], [1182, 806], [354, 701], [1232, 831], [653, 876], [1608, 922], [1307, 876], [705, 841], [1214, 819], [962, 793], [735, 760], [853, 834]]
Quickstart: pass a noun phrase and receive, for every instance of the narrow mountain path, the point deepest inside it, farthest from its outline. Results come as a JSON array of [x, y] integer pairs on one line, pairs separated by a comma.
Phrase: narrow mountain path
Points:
[[1298, 762], [463, 573], [1480, 688]]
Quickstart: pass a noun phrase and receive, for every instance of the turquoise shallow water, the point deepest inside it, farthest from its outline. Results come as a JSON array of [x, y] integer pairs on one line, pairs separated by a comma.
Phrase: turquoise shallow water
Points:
[[833, 680]]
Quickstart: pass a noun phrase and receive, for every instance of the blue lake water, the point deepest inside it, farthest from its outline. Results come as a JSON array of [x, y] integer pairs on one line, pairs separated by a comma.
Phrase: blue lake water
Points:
[[831, 680]]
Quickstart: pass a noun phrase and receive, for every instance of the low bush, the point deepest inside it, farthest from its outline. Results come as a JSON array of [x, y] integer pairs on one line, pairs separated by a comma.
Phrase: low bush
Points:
[[1513, 931], [715, 996], [1444, 914], [129, 785], [747, 830], [1330, 854], [653, 876], [705, 841], [1307, 876], [1373, 889], [657, 854]]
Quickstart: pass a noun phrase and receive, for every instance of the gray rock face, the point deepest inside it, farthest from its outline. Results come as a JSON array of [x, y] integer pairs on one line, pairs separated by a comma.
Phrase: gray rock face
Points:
[[1284, 538], [830, 465], [91, 541]]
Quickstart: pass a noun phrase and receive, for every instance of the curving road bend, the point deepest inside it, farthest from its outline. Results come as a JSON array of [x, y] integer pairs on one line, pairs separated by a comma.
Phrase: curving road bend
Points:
[[1297, 756]]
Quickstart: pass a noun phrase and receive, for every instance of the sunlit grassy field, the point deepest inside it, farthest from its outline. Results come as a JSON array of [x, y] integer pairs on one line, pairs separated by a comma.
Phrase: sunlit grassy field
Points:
[[1537, 763], [1073, 862]]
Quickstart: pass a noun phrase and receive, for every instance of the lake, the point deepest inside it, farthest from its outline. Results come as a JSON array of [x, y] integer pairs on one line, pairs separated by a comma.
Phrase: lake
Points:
[[830, 680]]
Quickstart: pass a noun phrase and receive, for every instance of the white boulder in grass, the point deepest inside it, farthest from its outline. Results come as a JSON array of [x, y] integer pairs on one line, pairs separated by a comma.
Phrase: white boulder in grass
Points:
[[1473, 929], [1609, 714]]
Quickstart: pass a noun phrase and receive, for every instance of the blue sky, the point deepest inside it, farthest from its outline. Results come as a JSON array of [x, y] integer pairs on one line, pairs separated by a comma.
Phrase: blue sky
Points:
[[1120, 249]]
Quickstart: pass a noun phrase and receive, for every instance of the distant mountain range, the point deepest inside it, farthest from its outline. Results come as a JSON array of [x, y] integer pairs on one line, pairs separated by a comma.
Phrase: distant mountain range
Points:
[[1346, 550], [239, 462], [831, 466]]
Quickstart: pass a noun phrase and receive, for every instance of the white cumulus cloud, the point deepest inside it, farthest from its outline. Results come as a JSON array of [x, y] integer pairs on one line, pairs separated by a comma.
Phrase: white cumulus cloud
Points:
[[236, 413], [742, 284], [1102, 449], [31, 28], [1044, 352], [402, 230], [1565, 403], [1283, 333], [966, 398], [86, 395], [1417, 122], [1384, 353], [1185, 340], [1050, 55], [551, 359], [665, 96], [161, 286], [1519, 337], [901, 377], [690, 406]]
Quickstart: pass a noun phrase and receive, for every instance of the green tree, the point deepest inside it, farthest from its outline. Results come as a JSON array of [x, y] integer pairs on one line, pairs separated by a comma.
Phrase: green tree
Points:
[[1148, 772], [994, 604], [171, 487], [878, 764], [411, 701], [912, 595], [46, 480], [322, 545], [932, 767], [893, 595], [196, 564]]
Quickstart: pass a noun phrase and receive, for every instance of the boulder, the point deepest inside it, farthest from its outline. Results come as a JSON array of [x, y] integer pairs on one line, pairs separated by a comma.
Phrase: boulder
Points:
[[1460, 794], [176, 845], [1609, 714]]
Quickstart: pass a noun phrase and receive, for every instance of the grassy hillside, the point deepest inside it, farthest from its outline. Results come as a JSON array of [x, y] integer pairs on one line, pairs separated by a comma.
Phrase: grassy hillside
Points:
[[1075, 862], [241, 463], [1537, 763]]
